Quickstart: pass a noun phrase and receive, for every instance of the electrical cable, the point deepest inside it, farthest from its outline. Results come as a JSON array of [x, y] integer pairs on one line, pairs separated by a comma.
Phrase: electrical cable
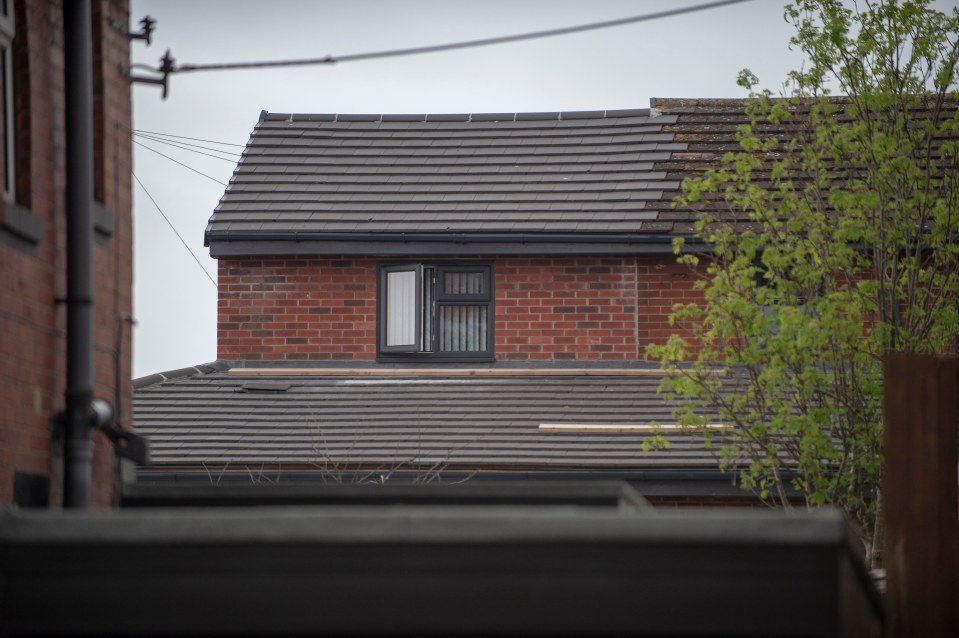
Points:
[[183, 146], [193, 139], [167, 140], [180, 163], [329, 59], [173, 228]]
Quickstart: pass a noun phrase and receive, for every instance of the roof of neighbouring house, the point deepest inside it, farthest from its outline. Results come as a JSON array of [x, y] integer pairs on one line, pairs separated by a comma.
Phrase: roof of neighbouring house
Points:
[[490, 182], [382, 420]]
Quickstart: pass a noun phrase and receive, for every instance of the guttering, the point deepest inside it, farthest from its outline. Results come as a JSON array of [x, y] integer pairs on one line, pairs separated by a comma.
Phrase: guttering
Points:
[[439, 244], [253, 244], [458, 238]]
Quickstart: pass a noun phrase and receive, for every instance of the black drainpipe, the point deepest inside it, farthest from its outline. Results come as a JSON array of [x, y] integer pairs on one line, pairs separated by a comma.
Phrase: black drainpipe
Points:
[[78, 63]]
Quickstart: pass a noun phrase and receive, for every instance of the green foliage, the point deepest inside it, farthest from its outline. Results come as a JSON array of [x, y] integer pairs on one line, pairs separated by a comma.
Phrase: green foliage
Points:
[[834, 234]]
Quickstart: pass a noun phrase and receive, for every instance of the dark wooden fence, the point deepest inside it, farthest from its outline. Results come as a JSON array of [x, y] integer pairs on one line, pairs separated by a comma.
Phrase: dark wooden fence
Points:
[[919, 494]]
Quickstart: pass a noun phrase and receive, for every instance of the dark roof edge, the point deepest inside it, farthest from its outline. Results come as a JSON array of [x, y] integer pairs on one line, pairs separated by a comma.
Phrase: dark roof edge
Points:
[[431, 249], [293, 243], [455, 117], [192, 371], [453, 237]]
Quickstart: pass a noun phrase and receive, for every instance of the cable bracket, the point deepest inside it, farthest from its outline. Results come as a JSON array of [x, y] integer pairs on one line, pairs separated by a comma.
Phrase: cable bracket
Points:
[[147, 25], [167, 66]]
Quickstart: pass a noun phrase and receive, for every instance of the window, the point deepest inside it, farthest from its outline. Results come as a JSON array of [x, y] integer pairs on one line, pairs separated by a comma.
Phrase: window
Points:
[[19, 227], [6, 71], [435, 311]]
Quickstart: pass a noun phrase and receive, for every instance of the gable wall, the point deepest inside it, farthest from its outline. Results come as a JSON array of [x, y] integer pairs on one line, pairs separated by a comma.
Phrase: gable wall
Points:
[[547, 308]]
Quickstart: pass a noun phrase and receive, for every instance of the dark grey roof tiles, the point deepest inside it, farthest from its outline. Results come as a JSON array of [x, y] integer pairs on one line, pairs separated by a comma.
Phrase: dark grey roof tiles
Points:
[[464, 423], [457, 170], [381, 170]]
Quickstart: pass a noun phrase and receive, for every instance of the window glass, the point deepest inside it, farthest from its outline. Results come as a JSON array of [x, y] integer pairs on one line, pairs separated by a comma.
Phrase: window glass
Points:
[[463, 328], [401, 308], [464, 283], [6, 76]]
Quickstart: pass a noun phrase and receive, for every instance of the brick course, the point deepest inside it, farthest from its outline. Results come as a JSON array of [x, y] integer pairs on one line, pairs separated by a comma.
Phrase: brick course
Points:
[[547, 308]]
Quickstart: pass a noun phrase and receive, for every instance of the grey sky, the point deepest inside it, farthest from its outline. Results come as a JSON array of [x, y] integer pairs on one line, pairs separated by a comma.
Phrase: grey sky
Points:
[[696, 55]]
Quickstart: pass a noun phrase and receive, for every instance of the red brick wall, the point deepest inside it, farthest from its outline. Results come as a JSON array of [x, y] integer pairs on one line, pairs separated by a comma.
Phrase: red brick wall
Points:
[[662, 283], [113, 256], [547, 308], [566, 308], [32, 323], [288, 309]]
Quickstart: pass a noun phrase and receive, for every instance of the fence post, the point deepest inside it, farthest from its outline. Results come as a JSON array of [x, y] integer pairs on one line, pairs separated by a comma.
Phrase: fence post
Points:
[[919, 494]]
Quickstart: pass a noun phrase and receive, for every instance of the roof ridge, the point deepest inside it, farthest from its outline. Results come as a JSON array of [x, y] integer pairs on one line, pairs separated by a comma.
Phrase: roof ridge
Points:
[[516, 116]]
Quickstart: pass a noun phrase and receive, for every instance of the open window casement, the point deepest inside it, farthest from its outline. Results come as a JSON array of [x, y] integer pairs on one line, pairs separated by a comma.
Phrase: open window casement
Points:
[[403, 317], [441, 311]]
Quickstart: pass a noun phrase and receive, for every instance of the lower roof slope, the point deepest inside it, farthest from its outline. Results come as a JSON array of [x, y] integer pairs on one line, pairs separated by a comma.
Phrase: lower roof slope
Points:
[[406, 421]]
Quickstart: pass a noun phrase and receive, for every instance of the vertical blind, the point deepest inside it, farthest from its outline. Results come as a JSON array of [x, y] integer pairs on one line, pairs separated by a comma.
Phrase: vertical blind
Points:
[[401, 308], [463, 328], [463, 283]]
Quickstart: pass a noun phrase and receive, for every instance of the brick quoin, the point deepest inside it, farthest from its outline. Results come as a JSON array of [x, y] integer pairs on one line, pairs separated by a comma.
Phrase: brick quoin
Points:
[[33, 272], [595, 308]]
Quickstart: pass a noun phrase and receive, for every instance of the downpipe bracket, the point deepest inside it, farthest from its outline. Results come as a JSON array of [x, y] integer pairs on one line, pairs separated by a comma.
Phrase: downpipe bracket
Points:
[[126, 443]]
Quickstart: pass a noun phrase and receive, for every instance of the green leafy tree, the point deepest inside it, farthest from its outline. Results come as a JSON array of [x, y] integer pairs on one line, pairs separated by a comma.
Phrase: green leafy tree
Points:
[[833, 236]]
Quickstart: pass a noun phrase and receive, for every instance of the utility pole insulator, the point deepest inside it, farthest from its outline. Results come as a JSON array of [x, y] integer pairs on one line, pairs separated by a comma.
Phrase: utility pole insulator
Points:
[[147, 25]]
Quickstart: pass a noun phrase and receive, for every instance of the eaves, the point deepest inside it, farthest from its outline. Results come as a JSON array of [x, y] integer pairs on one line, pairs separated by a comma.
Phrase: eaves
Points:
[[426, 244]]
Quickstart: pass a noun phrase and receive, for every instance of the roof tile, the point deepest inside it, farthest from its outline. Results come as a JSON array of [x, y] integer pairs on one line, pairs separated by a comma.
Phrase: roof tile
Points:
[[362, 422], [540, 172]]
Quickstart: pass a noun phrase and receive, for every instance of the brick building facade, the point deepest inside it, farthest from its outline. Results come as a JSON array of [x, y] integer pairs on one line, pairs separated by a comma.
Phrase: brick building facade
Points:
[[547, 308], [33, 246], [404, 295], [571, 214]]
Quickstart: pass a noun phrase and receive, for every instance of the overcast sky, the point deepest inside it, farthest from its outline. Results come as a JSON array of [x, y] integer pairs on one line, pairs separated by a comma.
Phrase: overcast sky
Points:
[[696, 55]]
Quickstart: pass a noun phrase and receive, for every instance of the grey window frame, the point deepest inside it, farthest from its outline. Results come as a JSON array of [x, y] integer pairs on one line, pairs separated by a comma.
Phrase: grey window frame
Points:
[[429, 301], [417, 303]]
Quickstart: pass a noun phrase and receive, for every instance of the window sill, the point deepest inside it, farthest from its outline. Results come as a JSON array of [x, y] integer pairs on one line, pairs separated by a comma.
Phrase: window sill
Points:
[[21, 228], [432, 358], [104, 222]]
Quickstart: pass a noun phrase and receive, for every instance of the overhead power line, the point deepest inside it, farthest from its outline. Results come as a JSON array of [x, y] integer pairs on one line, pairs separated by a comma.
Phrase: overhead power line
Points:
[[192, 148], [177, 141], [356, 57], [173, 228], [180, 163], [184, 137]]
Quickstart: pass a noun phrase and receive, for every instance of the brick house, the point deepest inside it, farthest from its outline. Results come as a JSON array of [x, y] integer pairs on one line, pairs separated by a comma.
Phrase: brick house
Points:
[[472, 292], [566, 219], [33, 244]]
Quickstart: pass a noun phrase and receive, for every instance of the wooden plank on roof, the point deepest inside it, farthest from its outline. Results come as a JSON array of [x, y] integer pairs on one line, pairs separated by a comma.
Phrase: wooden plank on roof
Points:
[[611, 428], [446, 372]]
